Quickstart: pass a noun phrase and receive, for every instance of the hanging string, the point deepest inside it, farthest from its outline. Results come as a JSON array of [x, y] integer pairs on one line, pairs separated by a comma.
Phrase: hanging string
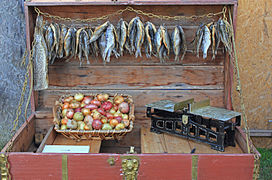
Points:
[[130, 9]]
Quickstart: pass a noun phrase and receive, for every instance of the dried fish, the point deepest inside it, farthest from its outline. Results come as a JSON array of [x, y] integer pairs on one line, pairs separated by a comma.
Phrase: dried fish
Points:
[[166, 39], [78, 40], [158, 40], [176, 42], [68, 42], [61, 43], [213, 39], [49, 39], [150, 31], [183, 42], [102, 44], [139, 38], [99, 31], [132, 28], [121, 31], [93, 47], [85, 45], [225, 34], [40, 57], [206, 42], [110, 42]]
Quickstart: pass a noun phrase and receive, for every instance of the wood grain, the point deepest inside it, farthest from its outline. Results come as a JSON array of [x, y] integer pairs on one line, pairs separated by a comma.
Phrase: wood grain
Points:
[[235, 167], [48, 139], [152, 142], [128, 2], [23, 137], [137, 77]]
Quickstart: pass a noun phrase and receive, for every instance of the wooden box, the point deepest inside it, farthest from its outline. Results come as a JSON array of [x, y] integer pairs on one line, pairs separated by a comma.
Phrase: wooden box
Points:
[[159, 156]]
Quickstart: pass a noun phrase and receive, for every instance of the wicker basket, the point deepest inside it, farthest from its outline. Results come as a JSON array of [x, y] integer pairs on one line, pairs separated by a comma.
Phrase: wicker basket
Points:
[[93, 134]]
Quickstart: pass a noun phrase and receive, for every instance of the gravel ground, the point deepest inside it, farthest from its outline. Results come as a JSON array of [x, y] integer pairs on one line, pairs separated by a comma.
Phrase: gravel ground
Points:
[[12, 43]]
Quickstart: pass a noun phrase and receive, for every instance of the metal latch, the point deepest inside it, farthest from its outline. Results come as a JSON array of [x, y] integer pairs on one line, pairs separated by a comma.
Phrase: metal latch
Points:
[[130, 165]]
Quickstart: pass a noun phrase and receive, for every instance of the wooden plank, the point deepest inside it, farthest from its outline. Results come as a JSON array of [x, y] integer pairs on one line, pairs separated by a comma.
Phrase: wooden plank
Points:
[[201, 148], [84, 12], [235, 166], [152, 142], [48, 97], [94, 144], [23, 137], [176, 144], [48, 139], [129, 2], [136, 77]]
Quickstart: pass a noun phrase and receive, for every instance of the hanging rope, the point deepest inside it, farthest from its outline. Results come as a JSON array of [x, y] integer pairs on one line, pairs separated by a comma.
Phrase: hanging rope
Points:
[[242, 104], [130, 9]]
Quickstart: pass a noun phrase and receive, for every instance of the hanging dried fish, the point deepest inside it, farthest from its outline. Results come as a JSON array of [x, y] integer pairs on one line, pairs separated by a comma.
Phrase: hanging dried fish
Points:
[[122, 34], [176, 42], [69, 43], [99, 31], [206, 42], [49, 38], [150, 31], [132, 28], [63, 30], [198, 39], [40, 57], [139, 37], [183, 42], [162, 40], [214, 39], [93, 47], [102, 45], [111, 42], [85, 45], [225, 34]]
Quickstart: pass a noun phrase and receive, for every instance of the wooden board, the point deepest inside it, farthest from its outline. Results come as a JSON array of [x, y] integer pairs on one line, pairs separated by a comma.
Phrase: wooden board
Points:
[[23, 137], [167, 143], [136, 77]]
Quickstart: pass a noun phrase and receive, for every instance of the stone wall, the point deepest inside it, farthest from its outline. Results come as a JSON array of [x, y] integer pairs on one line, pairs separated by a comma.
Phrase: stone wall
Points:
[[12, 47]]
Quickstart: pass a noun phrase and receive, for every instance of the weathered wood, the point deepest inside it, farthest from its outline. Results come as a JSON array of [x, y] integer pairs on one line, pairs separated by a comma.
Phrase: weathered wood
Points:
[[225, 167], [23, 137], [48, 139], [129, 2], [152, 142], [140, 97], [137, 77], [176, 144]]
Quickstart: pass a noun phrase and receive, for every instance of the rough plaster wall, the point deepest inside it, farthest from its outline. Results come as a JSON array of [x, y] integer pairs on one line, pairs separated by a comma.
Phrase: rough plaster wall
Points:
[[254, 47], [12, 46]]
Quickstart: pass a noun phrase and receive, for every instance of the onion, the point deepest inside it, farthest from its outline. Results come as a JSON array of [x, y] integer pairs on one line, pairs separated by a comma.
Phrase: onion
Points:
[[87, 100], [96, 102], [109, 115], [126, 123], [68, 99], [106, 97], [65, 105], [91, 106], [119, 119], [125, 116], [124, 107], [74, 105], [96, 115], [78, 116], [118, 99], [88, 119], [78, 97], [101, 111], [113, 122], [70, 113], [78, 109], [97, 124], [100, 97], [107, 105], [86, 111], [71, 124]]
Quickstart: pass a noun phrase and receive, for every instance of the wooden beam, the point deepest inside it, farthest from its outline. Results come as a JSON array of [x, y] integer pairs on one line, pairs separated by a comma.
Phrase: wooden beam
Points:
[[129, 2]]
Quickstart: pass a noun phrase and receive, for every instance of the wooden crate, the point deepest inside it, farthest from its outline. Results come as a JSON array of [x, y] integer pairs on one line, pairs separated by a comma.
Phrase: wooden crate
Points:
[[147, 80]]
